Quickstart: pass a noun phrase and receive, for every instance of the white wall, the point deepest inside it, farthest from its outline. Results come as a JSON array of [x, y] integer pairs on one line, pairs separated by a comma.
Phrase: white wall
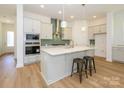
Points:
[[109, 36], [20, 36], [41, 18], [0, 39], [78, 36], [94, 22], [5, 28]]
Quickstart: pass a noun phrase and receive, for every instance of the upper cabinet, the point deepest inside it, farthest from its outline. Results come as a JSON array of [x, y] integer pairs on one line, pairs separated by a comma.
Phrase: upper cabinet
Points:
[[67, 33], [31, 25], [27, 25], [96, 30], [46, 31], [36, 26]]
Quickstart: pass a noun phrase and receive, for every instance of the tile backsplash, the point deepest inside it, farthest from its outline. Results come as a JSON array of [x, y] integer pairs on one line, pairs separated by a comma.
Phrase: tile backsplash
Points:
[[54, 42]]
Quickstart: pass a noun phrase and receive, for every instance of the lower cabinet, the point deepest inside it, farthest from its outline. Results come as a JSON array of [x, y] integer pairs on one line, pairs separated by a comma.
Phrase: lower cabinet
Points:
[[118, 54], [31, 59], [56, 67]]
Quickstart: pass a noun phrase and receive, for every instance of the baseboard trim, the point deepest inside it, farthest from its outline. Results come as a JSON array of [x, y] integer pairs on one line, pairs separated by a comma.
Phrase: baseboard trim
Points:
[[51, 82], [2, 54], [118, 61], [100, 57], [19, 65], [43, 77]]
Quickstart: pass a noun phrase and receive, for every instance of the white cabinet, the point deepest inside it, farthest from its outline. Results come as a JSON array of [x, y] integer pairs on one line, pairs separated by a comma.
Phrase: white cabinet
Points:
[[118, 54], [27, 25], [90, 32], [100, 45], [103, 28], [67, 33], [46, 31], [36, 26], [31, 59], [96, 30], [31, 25]]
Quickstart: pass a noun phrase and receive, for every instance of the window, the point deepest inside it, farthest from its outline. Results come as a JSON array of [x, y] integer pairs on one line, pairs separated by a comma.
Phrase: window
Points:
[[10, 39]]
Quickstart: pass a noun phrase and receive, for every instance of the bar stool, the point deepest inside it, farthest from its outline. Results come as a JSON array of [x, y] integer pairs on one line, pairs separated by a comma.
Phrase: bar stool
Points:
[[80, 65], [89, 64]]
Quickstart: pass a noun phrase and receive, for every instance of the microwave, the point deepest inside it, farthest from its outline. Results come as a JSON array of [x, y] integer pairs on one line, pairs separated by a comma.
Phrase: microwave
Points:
[[32, 37]]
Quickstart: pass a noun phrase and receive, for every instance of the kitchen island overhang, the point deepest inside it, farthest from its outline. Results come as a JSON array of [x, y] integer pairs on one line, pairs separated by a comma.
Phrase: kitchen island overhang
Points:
[[56, 63]]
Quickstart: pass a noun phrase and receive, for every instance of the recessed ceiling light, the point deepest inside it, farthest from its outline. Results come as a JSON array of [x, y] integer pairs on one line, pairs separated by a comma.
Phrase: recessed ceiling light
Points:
[[83, 28], [71, 17], [94, 16], [60, 12], [42, 6]]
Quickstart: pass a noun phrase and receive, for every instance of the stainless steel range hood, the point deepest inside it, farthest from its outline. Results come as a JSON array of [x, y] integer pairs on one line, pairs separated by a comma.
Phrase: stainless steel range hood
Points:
[[57, 29]]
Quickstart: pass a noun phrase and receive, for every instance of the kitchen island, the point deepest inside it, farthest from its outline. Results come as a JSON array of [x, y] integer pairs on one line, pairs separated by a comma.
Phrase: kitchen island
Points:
[[56, 63]]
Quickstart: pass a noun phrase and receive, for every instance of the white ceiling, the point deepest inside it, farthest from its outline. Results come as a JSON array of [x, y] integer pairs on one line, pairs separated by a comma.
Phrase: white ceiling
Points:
[[7, 19], [7, 9], [7, 13], [77, 10]]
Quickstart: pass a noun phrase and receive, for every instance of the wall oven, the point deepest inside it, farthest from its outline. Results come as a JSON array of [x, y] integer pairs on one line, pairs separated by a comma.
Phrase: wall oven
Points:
[[32, 50], [32, 44]]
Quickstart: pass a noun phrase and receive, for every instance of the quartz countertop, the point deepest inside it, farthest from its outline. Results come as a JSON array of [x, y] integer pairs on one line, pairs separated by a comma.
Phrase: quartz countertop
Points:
[[64, 50]]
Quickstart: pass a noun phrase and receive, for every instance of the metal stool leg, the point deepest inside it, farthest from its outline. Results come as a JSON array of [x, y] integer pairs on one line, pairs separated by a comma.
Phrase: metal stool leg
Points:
[[94, 65], [72, 68], [86, 68], [77, 67], [80, 71], [90, 67]]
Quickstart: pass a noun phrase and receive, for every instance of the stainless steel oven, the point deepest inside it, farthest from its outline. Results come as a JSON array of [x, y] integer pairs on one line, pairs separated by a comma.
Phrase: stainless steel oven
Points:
[[32, 43], [32, 50]]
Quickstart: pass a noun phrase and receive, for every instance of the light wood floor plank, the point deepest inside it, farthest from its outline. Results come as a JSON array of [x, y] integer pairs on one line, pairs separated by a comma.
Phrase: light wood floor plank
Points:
[[109, 74]]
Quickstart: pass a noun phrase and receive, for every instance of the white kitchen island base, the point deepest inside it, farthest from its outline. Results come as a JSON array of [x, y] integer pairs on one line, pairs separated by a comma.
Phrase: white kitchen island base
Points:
[[59, 65]]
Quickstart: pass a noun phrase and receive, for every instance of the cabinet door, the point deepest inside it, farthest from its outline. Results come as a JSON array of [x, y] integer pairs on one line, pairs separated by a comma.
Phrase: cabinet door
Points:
[[36, 26], [46, 31], [118, 54], [103, 28], [27, 24], [90, 33], [67, 33], [96, 29], [100, 45]]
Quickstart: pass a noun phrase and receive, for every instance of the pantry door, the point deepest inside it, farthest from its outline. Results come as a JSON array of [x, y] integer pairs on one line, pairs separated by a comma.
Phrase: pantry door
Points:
[[100, 45]]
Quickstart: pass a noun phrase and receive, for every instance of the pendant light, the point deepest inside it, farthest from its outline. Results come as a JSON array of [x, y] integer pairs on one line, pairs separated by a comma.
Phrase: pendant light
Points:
[[83, 28], [63, 23]]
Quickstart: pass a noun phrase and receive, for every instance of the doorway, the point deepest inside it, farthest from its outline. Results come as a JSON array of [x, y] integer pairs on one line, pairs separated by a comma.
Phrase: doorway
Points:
[[7, 29]]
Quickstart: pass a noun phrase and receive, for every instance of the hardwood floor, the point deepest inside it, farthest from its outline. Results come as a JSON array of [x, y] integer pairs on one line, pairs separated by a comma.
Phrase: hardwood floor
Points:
[[27, 77], [108, 75]]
